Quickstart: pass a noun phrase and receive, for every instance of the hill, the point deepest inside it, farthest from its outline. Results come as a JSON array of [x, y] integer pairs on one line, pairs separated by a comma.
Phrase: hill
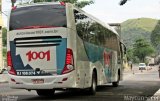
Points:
[[133, 29]]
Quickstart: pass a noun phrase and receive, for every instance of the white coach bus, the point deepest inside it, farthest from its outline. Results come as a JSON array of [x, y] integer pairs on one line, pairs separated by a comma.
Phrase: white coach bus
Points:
[[54, 46]]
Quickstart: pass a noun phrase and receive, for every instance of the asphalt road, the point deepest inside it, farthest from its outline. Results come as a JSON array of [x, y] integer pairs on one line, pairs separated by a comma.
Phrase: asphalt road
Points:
[[136, 86]]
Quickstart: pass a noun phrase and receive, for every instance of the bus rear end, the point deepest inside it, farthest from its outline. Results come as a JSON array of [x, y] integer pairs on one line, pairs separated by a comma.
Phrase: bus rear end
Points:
[[37, 55]]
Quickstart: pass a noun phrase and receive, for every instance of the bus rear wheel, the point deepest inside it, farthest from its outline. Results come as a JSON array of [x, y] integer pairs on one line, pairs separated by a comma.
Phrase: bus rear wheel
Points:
[[45, 92], [92, 89]]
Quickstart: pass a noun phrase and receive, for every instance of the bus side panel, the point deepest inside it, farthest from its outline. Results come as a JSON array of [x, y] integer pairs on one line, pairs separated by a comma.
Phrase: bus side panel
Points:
[[82, 63], [115, 67], [71, 39], [96, 60], [90, 56]]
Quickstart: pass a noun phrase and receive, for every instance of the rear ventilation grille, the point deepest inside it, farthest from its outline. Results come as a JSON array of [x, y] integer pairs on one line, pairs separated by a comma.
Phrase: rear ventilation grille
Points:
[[38, 41]]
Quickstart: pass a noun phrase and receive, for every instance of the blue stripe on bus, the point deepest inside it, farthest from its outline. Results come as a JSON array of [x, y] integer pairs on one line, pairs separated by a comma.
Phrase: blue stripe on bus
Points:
[[95, 53], [61, 55]]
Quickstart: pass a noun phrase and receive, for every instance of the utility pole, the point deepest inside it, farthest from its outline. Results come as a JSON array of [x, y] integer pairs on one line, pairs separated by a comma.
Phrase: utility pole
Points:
[[13, 1], [117, 27], [1, 45]]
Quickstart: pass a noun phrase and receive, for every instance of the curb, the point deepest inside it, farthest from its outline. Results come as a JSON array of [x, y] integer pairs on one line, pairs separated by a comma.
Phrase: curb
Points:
[[155, 97], [157, 93]]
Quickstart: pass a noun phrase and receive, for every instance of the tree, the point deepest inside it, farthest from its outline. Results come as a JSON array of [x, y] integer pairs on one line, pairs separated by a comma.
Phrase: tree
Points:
[[4, 36], [75, 2], [4, 42], [155, 37], [130, 54], [142, 48]]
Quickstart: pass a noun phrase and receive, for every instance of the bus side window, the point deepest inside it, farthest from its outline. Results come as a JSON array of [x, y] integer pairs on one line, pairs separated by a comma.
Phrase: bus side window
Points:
[[76, 16], [82, 25]]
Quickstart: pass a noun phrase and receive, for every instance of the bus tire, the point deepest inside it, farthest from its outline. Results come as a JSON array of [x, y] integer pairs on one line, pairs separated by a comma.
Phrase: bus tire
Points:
[[45, 92], [116, 84], [92, 89]]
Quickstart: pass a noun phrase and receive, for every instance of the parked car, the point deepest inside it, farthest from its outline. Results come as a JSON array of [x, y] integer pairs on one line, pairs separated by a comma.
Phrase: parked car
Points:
[[142, 66]]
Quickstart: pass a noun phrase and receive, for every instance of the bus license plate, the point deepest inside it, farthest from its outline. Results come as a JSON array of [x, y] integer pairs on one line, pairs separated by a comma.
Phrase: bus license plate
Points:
[[37, 81]]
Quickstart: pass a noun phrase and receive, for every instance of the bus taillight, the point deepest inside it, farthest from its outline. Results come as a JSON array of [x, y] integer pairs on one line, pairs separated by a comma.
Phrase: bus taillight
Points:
[[62, 3], [9, 64], [69, 63]]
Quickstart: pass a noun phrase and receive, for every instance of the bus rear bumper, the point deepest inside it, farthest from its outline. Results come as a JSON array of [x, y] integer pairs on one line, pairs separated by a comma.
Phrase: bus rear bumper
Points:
[[50, 82]]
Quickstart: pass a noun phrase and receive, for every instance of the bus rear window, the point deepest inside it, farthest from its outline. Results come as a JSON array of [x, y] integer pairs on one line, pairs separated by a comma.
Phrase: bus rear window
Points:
[[41, 15]]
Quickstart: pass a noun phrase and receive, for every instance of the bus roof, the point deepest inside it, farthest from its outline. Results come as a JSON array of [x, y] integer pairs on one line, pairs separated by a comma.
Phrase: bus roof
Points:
[[94, 18], [39, 3]]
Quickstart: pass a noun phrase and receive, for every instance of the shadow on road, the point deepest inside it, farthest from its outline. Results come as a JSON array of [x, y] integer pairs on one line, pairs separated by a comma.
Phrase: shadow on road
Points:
[[69, 95]]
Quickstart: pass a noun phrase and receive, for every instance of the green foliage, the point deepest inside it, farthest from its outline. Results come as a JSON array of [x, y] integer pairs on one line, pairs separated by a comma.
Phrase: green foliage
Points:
[[4, 52], [130, 54], [83, 3], [142, 48], [133, 29], [136, 59], [155, 36], [5, 56], [4, 37], [147, 24], [4, 41]]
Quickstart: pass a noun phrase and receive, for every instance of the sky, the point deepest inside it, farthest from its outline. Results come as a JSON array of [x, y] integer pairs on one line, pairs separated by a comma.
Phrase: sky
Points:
[[109, 11]]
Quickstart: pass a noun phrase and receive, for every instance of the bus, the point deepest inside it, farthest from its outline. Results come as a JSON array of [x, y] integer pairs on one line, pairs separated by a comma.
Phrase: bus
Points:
[[52, 46]]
